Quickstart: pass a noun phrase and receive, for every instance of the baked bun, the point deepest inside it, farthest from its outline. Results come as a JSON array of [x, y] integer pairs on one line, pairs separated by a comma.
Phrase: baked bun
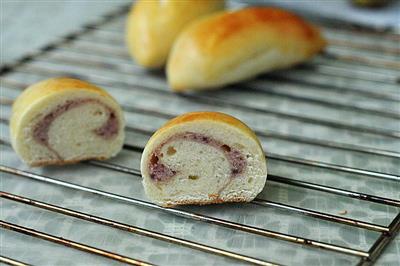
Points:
[[63, 120], [203, 158], [152, 26], [232, 46]]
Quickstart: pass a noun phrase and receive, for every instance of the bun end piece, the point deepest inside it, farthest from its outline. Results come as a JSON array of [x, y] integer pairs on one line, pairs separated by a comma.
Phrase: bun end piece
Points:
[[152, 27], [203, 158], [63, 121], [232, 46]]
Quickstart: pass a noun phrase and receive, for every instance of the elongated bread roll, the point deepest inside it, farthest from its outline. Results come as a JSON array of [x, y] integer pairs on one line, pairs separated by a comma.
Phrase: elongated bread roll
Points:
[[63, 120], [152, 26], [203, 158], [229, 47]]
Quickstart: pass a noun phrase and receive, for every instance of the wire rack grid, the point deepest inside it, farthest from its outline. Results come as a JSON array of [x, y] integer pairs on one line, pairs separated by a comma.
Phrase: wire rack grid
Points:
[[333, 192]]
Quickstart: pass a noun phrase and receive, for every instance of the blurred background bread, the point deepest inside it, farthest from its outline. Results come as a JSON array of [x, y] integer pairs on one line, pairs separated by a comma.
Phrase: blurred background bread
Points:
[[152, 26], [235, 45]]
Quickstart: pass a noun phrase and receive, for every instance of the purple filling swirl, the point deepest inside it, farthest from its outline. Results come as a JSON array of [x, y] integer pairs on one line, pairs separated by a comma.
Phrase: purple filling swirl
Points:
[[41, 129], [160, 172]]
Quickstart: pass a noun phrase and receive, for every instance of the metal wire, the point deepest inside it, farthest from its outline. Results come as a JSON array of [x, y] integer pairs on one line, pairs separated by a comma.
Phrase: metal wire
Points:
[[347, 29], [370, 47], [119, 51], [68, 56], [382, 242], [281, 158], [261, 202], [11, 261], [270, 133], [102, 66], [113, 37], [211, 100], [342, 192], [191, 215], [71, 244], [134, 229], [362, 60], [319, 64], [112, 45], [323, 216], [283, 180], [124, 62], [323, 69], [292, 79], [290, 159], [320, 67]]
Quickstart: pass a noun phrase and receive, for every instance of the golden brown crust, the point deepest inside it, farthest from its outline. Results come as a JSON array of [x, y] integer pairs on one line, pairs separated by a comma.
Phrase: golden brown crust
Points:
[[225, 26], [55, 85], [46, 87], [206, 115], [231, 46], [213, 116]]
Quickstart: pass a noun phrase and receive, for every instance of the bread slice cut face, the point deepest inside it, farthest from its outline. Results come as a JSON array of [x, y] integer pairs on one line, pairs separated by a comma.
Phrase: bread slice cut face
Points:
[[62, 120], [203, 158]]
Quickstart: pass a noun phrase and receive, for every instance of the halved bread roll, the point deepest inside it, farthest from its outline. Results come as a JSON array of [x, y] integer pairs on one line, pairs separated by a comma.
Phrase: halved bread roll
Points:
[[152, 26], [63, 120], [203, 158], [228, 47]]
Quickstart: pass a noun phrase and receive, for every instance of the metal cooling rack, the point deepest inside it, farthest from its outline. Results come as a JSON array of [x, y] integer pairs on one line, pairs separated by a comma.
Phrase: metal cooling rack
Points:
[[325, 106]]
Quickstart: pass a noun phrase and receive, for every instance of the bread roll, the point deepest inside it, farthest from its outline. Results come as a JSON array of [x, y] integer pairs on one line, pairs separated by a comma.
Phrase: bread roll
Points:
[[203, 158], [228, 47], [63, 120], [152, 26]]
